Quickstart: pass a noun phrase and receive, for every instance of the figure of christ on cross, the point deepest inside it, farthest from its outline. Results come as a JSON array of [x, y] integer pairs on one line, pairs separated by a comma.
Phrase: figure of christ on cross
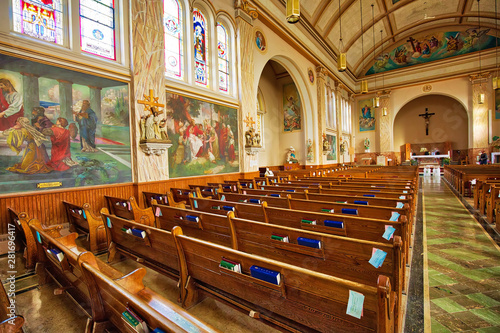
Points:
[[427, 117]]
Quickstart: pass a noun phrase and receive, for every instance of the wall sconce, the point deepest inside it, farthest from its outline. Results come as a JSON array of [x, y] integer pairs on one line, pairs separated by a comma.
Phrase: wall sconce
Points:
[[384, 111], [364, 86], [342, 62], [480, 98], [495, 83], [292, 11], [376, 102]]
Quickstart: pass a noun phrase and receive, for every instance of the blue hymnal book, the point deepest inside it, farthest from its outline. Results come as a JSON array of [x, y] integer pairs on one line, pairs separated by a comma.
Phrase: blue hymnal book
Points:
[[334, 224], [138, 232], [226, 187], [395, 216], [314, 243], [374, 190], [274, 195], [230, 208], [369, 195], [192, 218], [265, 274], [350, 211], [57, 253], [254, 201], [360, 202], [158, 330], [290, 190]]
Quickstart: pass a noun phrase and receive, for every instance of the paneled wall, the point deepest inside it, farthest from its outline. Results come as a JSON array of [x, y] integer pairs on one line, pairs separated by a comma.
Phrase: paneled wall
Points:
[[47, 206]]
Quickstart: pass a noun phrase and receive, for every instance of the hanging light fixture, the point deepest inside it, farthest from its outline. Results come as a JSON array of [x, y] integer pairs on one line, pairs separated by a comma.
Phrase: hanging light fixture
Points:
[[384, 109], [364, 83], [342, 60], [376, 99], [292, 11], [481, 93], [496, 79]]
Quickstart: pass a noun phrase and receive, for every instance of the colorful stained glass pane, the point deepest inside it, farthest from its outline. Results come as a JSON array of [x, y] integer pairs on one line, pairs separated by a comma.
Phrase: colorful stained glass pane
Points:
[[97, 27], [222, 51], [223, 81], [200, 48], [39, 19], [172, 22]]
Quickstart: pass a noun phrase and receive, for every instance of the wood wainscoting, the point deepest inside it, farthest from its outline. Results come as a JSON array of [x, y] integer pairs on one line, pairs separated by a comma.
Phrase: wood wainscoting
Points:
[[48, 208]]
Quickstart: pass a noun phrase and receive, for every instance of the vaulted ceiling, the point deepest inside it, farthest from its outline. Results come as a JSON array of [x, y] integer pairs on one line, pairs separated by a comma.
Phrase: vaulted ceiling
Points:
[[397, 19]]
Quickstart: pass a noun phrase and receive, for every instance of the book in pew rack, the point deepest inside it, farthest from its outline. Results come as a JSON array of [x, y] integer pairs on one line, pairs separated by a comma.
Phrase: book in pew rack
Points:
[[265, 274]]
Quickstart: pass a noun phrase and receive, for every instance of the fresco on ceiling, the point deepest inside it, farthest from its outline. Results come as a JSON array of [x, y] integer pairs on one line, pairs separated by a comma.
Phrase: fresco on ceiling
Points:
[[60, 128], [434, 46], [204, 137]]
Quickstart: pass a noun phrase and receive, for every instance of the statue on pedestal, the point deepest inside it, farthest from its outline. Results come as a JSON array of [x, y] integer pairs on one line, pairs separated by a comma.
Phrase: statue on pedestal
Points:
[[290, 156]]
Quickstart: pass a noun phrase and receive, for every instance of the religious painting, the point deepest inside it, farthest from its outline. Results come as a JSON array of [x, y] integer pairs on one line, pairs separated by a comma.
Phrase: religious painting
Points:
[[292, 108], [366, 115], [61, 128], [260, 40], [497, 104], [310, 74], [331, 155], [199, 32], [424, 48], [204, 137]]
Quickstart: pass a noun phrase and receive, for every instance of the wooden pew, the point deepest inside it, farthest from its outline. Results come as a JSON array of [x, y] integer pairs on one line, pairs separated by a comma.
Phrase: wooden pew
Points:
[[83, 221], [24, 237], [253, 199], [243, 210], [130, 210], [113, 296], [164, 198], [293, 304], [156, 250], [276, 193], [10, 322], [376, 201]]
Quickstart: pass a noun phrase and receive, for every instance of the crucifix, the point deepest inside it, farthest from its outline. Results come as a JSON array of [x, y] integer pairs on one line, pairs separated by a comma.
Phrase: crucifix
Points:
[[427, 117]]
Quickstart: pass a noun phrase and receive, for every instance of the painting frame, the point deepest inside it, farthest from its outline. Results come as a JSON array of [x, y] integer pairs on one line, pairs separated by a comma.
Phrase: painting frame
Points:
[[331, 155], [260, 40], [292, 108], [367, 119]]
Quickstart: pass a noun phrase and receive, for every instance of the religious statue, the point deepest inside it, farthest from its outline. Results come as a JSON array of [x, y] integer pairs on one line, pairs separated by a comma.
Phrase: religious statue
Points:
[[367, 143], [310, 154], [153, 126], [268, 173], [343, 147], [290, 156], [326, 143]]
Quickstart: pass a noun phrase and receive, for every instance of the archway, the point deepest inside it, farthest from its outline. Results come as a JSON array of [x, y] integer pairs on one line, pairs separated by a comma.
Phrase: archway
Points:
[[448, 124]]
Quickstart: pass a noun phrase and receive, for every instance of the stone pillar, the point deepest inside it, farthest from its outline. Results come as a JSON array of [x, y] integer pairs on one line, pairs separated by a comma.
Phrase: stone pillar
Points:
[[321, 76], [338, 105], [66, 99], [479, 124], [95, 101], [386, 133], [247, 92], [148, 70], [31, 96], [354, 122]]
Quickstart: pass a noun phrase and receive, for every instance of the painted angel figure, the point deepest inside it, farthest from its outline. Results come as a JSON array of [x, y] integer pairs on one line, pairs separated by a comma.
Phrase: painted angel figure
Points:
[[474, 35]]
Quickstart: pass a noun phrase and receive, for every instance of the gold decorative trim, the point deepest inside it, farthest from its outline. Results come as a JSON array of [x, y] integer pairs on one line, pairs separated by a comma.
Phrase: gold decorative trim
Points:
[[427, 88]]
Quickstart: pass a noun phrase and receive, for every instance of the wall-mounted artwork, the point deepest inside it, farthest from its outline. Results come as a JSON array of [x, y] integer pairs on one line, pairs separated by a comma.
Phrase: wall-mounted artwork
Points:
[[366, 115], [310, 74], [292, 109], [425, 48], [332, 153], [260, 41], [497, 104], [60, 128], [204, 137]]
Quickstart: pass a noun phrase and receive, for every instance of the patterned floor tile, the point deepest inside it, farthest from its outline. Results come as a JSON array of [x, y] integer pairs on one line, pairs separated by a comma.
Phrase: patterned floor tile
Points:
[[452, 323], [491, 329], [489, 315], [484, 300], [471, 320], [437, 327], [448, 304]]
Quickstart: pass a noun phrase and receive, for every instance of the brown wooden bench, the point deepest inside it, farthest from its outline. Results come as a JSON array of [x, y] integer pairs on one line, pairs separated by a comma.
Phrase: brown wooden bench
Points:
[[275, 193], [255, 199], [83, 221], [302, 301], [24, 237], [130, 210], [113, 296]]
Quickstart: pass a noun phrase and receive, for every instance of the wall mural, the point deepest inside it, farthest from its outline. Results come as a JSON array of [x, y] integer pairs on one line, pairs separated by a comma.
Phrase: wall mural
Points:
[[60, 128], [332, 153], [497, 103], [366, 115], [204, 137], [292, 109], [435, 46]]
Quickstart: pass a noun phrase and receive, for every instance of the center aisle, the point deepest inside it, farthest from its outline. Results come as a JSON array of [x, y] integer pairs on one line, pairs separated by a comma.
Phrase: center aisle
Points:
[[463, 265]]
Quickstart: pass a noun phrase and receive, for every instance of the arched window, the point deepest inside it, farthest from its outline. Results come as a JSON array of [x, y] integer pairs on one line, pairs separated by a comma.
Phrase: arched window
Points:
[[172, 21], [200, 48], [39, 19], [222, 51], [97, 27]]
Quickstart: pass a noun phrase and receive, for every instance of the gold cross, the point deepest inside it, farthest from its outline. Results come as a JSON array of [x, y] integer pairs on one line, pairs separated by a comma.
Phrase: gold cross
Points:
[[249, 121], [150, 101]]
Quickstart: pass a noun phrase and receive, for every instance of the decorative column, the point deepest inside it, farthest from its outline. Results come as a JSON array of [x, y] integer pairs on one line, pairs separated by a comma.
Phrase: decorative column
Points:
[[148, 61], [479, 116], [95, 101], [386, 133], [247, 93], [31, 97], [66, 99], [354, 122], [338, 107], [321, 76]]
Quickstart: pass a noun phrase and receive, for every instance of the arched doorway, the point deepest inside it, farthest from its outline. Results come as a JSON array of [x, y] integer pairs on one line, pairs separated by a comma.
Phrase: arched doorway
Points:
[[448, 124]]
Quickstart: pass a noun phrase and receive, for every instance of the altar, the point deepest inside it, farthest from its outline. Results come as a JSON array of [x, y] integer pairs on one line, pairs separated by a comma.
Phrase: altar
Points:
[[430, 159]]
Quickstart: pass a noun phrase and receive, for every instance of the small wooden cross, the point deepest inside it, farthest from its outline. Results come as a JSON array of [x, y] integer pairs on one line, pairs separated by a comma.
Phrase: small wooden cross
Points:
[[249, 121], [427, 117], [150, 101]]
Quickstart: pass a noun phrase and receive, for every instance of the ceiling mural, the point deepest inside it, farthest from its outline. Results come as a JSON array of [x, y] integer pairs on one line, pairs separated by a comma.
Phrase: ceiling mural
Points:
[[421, 49]]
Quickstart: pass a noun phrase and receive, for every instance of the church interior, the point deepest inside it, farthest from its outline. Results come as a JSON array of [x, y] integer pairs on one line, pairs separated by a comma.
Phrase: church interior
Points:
[[249, 166]]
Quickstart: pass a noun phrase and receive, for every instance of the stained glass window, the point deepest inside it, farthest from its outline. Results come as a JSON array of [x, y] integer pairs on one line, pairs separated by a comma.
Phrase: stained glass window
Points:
[[42, 19], [200, 48], [222, 50], [97, 27], [172, 21]]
